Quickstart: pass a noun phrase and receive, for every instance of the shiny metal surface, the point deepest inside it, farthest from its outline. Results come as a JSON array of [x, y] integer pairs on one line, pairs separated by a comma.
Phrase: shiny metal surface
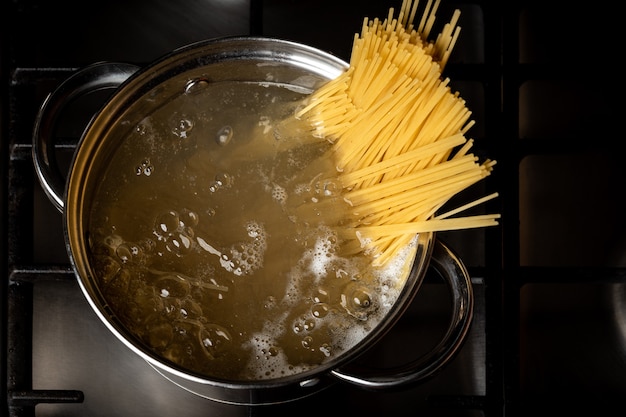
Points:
[[96, 77]]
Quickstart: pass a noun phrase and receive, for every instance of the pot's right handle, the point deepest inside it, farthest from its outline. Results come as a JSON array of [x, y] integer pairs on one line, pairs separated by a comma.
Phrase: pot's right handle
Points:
[[452, 270], [96, 77]]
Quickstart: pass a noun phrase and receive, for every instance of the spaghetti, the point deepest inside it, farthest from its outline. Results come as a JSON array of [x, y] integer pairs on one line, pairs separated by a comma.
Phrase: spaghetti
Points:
[[398, 133]]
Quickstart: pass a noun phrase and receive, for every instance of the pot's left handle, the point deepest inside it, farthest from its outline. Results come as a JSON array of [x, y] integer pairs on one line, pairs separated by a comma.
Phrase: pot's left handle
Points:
[[96, 77]]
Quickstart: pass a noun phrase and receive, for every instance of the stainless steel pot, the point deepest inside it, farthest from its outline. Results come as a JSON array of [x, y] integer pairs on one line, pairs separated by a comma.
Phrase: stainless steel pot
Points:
[[245, 59]]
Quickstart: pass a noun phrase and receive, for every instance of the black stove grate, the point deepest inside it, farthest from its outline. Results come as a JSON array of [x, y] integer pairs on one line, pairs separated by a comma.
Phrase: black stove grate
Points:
[[22, 273], [505, 276], [26, 90]]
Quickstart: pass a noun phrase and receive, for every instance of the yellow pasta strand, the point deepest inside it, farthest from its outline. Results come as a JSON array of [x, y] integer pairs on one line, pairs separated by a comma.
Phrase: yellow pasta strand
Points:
[[398, 134]]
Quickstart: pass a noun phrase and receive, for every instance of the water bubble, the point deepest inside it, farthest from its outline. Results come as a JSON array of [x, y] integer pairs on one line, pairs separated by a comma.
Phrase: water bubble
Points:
[[196, 85], [224, 135], [144, 168], [326, 349], [357, 300], [301, 189], [270, 302], [178, 244], [322, 296], [307, 342], [189, 218], [168, 222], [320, 310], [361, 298], [183, 128], [123, 253], [279, 194], [185, 240], [329, 188], [254, 230], [191, 309], [141, 129], [225, 180], [129, 252], [215, 340], [213, 186], [172, 285], [309, 325]]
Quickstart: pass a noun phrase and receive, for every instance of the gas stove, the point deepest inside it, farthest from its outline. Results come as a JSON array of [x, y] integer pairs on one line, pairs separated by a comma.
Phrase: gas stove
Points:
[[549, 328]]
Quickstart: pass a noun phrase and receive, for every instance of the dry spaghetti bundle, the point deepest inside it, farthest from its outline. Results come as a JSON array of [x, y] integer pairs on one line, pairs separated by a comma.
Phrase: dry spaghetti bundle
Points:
[[398, 134]]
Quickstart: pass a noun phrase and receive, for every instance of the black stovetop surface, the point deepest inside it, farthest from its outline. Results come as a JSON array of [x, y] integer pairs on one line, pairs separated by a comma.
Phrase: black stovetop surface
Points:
[[549, 333]]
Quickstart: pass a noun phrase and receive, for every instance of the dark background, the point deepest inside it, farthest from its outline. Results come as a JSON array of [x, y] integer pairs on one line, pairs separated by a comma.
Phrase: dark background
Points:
[[544, 82]]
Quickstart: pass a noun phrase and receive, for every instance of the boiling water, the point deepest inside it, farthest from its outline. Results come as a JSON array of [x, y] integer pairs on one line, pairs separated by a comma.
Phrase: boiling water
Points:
[[211, 244]]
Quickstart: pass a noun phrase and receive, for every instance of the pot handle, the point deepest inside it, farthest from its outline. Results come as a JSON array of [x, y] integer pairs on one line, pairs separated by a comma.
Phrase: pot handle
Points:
[[452, 270], [95, 77]]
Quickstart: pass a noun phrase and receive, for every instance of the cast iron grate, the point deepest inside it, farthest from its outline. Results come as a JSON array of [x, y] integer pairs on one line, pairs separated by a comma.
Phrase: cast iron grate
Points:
[[500, 74]]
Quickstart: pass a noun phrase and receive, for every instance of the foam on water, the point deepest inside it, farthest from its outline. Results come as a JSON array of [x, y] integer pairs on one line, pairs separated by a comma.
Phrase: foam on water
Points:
[[268, 358]]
